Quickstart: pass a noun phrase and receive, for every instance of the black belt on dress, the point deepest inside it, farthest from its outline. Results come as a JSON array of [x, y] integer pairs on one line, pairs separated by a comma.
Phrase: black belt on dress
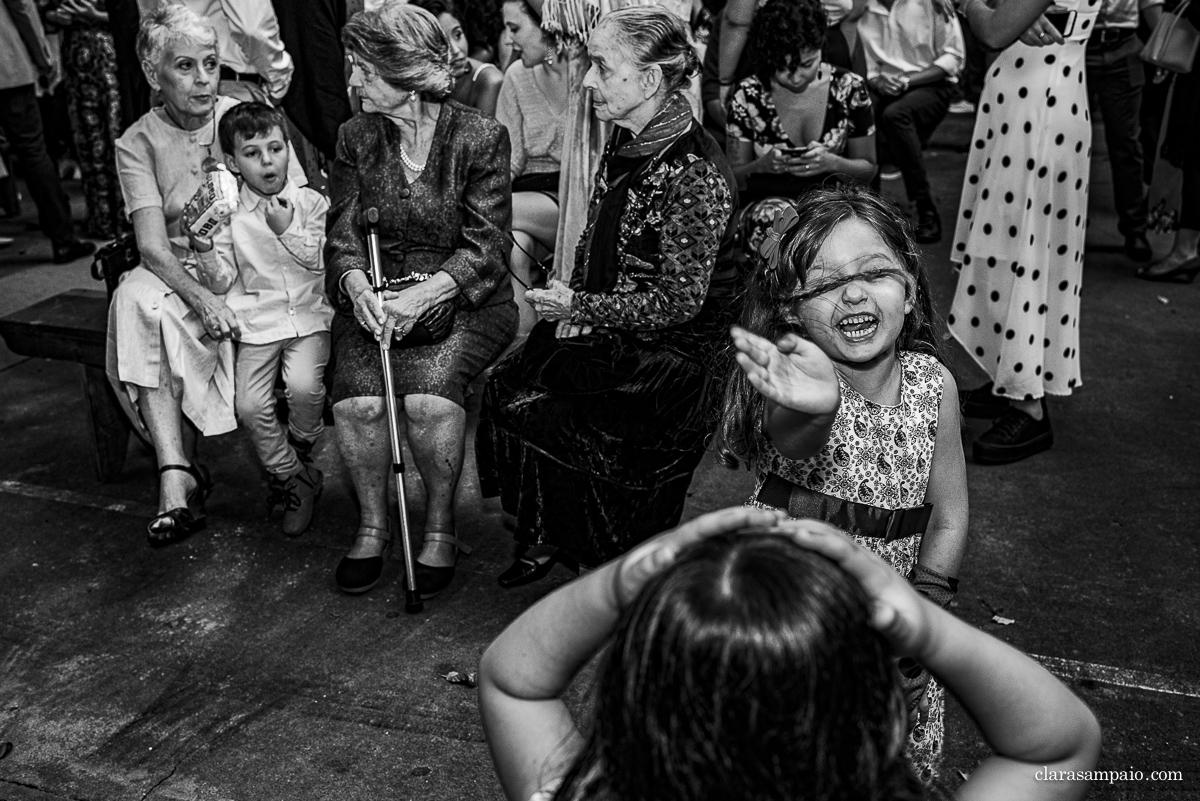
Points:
[[1105, 38], [228, 74], [861, 519]]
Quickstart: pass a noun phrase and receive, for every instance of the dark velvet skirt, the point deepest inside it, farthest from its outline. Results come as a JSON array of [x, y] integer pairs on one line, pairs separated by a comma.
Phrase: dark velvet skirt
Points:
[[445, 369], [595, 473]]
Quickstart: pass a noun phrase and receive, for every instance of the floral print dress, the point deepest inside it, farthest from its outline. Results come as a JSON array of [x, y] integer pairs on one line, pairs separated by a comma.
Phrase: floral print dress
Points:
[[880, 456]]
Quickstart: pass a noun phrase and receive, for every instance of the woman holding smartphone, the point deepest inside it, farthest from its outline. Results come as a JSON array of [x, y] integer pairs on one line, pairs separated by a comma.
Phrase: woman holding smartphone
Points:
[[796, 122]]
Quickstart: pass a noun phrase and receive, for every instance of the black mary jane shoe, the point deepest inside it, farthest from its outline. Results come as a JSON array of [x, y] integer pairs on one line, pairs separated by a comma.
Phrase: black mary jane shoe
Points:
[[430, 579], [356, 576], [176, 525], [527, 569]]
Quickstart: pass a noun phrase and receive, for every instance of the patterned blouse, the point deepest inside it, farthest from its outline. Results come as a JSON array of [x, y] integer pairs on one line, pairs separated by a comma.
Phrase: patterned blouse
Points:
[[848, 115], [670, 234]]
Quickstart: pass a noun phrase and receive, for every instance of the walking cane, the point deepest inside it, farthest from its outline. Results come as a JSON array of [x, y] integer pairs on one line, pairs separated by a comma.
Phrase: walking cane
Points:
[[412, 597]]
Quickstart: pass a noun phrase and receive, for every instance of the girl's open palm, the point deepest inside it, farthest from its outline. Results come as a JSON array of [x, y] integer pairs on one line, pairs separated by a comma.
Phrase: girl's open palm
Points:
[[792, 372]]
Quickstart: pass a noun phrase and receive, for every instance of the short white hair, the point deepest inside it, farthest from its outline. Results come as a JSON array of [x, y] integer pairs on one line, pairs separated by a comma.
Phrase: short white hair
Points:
[[168, 24]]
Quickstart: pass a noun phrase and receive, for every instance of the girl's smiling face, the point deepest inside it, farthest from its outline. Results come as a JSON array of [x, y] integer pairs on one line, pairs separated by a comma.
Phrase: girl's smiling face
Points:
[[859, 319]]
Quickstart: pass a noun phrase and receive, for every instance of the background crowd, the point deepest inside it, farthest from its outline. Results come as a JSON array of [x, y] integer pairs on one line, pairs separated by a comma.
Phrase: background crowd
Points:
[[452, 129]]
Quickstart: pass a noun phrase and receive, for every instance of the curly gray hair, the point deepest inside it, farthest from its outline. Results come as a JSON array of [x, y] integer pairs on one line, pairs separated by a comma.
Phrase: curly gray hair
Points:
[[169, 24], [406, 45]]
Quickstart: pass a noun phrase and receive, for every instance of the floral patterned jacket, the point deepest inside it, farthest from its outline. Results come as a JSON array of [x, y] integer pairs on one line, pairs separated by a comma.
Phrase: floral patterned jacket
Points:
[[674, 225]]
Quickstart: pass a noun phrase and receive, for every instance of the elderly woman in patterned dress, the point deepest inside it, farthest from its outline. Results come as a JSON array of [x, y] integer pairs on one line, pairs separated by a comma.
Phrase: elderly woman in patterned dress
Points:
[[590, 432], [438, 174]]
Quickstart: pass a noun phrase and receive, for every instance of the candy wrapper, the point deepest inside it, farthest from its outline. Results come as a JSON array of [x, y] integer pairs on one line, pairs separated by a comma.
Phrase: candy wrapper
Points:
[[212, 204]]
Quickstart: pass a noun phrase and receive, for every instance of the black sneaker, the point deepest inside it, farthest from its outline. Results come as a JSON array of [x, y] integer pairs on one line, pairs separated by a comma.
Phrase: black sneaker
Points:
[[1015, 436], [1137, 248], [982, 403], [69, 250], [929, 224]]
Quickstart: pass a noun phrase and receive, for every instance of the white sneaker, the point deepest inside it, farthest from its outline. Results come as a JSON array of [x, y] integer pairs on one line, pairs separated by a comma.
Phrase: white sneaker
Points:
[[962, 107]]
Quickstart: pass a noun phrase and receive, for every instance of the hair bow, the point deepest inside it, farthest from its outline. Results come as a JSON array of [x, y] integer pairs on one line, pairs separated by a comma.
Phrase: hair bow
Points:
[[771, 248]]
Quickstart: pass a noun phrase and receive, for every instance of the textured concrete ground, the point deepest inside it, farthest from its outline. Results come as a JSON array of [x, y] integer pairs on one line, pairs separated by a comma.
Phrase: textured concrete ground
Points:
[[231, 668]]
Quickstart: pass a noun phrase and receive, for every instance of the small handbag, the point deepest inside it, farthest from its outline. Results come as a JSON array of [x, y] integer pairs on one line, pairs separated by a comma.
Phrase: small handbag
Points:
[[433, 326], [114, 259], [1173, 43]]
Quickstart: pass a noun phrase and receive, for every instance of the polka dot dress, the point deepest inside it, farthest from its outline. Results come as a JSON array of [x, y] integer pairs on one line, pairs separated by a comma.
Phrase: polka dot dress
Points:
[[1020, 232]]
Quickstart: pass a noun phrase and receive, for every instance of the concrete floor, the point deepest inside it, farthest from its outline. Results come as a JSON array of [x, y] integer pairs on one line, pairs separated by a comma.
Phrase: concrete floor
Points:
[[230, 667]]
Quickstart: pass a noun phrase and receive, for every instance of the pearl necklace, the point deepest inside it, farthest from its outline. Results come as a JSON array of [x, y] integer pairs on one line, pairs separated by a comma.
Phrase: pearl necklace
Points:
[[408, 162]]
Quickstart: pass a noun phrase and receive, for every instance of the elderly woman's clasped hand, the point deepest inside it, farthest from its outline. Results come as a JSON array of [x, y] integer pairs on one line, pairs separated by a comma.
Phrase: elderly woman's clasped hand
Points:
[[554, 303]]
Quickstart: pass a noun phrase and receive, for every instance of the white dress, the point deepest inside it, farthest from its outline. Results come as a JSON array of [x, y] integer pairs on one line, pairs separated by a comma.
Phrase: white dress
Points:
[[1020, 232]]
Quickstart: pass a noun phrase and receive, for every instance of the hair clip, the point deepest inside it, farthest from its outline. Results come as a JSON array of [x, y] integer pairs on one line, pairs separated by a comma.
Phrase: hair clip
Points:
[[771, 247]]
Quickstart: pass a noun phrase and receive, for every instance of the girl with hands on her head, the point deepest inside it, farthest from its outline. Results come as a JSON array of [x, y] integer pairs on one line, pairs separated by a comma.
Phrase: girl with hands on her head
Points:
[[750, 657]]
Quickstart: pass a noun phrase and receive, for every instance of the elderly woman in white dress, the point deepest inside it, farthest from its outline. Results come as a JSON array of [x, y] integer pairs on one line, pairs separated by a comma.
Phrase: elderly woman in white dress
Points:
[[170, 335]]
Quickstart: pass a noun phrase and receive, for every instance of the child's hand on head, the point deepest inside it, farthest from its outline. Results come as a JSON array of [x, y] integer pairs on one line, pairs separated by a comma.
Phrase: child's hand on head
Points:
[[792, 372], [898, 612], [279, 214]]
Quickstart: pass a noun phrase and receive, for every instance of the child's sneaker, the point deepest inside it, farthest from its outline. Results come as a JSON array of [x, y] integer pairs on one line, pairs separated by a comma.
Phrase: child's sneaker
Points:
[[298, 496]]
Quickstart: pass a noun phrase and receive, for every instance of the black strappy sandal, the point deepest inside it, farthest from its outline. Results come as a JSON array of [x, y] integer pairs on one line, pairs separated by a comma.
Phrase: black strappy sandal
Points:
[[176, 525]]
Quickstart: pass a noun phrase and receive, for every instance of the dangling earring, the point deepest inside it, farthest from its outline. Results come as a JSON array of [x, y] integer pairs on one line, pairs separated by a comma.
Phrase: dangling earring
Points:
[[414, 96]]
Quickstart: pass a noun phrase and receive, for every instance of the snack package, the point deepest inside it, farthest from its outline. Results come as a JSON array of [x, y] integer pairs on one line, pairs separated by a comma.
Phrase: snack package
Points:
[[212, 204]]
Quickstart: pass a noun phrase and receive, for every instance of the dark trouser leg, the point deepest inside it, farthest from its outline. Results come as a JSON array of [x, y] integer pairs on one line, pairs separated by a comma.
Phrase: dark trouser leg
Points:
[[1189, 205], [905, 121], [22, 124], [1116, 77]]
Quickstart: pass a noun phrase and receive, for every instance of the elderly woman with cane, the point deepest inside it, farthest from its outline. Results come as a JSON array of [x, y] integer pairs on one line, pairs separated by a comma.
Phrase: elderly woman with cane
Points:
[[436, 174]]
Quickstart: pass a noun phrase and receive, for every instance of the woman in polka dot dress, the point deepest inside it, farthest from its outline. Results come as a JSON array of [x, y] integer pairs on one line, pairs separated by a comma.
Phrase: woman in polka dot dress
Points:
[[1019, 238], [846, 412]]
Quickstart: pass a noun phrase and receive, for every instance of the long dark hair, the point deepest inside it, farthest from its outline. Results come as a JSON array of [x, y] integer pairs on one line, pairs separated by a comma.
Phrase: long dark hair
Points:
[[746, 671], [772, 292]]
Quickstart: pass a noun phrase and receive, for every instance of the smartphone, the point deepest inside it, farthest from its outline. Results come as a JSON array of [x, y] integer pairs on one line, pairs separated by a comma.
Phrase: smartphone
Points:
[[793, 152], [1063, 21]]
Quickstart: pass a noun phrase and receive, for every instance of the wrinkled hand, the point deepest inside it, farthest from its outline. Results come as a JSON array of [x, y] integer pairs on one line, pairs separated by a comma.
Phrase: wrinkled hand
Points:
[[218, 319], [792, 372], [898, 612], [279, 214], [367, 311], [637, 566], [553, 302], [1041, 33], [200, 244], [401, 311], [565, 330]]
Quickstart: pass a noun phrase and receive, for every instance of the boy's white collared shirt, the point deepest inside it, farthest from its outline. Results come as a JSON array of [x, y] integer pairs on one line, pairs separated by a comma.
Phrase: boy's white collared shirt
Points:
[[280, 289]]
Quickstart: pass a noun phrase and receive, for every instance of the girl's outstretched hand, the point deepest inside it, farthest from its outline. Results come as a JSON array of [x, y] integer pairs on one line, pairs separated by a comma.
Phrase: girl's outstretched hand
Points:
[[792, 372], [637, 566], [897, 611]]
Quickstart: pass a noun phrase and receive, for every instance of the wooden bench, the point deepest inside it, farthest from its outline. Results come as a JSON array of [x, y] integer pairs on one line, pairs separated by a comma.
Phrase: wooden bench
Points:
[[73, 327]]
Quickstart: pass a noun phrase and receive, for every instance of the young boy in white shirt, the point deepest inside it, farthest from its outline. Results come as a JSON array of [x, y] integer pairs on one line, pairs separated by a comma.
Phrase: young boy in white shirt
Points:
[[274, 240]]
